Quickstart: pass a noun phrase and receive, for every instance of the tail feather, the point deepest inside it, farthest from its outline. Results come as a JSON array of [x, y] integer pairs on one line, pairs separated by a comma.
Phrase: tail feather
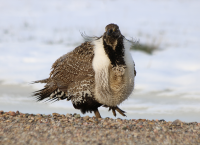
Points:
[[41, 81], [43, 93], [46, 91], [51, 93]]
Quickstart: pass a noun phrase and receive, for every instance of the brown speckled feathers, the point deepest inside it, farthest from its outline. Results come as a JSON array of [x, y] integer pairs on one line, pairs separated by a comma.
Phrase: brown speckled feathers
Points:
[[68, 72], [73, 67]]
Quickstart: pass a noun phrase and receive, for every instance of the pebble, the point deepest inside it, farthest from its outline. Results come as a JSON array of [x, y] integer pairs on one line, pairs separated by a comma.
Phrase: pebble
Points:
[[12, 113], [68, 115], [176, 122], [17, 113], [77, 116], [86, 118], [55, 114], [74, 129]]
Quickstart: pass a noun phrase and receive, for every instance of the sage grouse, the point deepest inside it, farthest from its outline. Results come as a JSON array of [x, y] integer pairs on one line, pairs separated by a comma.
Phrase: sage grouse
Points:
[[99, 72]]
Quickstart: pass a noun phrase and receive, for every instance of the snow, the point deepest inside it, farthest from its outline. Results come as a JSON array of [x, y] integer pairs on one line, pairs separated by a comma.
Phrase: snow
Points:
[[33, 34]]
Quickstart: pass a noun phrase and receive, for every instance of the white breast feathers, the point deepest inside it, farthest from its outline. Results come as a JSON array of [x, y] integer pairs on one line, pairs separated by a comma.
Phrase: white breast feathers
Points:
[[111, 89]]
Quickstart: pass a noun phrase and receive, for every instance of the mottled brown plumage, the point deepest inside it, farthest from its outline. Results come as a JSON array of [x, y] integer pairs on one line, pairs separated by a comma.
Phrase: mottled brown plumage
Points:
[[73, 76]]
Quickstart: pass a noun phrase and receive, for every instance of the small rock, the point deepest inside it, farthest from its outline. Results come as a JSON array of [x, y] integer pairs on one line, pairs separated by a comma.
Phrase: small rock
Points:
[[26, 115], [135, 134], [1, 112], [63, 116], [85, 123], [28, 127], [161, 120], [55, 114], [107, 118], [77, 116], [113, 124], [99, 119], [17, 112], [194, 131], [12, 113], [151, 123], [30, 121], [182, 124], [176, 122], [155, 131], [68, 115], [164, 128], [39, 118], [158, 127], [86, 117], [119, 120], [124, 128], [142, 120]]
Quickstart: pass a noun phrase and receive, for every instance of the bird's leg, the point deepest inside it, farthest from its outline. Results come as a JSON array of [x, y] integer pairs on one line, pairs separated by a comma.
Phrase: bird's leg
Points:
[[113, 111], [97, 114]]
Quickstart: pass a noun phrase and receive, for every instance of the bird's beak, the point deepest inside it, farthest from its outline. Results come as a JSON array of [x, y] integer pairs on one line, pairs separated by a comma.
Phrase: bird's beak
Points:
[[112, 33], [109, 32]]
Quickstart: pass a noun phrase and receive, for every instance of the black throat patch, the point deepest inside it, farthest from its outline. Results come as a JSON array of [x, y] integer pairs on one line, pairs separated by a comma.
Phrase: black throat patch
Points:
[[116, 56]]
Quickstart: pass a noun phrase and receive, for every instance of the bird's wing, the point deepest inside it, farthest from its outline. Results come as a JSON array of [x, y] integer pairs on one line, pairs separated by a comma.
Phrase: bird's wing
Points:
[[73, 67]]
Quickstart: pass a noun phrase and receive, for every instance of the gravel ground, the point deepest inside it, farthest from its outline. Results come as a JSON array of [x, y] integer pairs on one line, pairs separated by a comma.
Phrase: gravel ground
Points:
[[22, 129]]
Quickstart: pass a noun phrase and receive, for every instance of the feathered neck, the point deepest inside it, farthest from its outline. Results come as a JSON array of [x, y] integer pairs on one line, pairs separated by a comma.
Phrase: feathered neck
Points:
[[115, 52]]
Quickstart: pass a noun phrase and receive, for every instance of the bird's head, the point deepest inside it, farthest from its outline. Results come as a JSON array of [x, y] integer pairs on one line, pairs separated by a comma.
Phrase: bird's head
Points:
[[112, 34]]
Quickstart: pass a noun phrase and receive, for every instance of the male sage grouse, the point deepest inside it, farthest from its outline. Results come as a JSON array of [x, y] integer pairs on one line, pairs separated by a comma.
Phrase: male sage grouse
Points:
[[99, 72]]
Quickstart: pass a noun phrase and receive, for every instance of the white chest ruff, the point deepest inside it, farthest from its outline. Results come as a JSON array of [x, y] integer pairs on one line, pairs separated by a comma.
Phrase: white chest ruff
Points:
[[101, 63]]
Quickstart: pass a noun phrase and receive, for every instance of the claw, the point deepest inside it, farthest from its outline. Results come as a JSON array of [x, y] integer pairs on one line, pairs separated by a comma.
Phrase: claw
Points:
[[121, 111], [114, 109]]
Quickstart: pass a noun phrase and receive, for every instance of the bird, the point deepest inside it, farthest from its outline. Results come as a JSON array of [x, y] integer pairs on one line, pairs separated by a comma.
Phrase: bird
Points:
[[99, 72]]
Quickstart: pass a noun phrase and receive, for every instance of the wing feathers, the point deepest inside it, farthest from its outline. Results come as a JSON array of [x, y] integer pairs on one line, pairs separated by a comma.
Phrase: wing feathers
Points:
[[69, 68]]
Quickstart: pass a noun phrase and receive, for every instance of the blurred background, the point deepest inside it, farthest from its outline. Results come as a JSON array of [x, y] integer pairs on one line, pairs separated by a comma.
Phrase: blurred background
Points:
[[34, 33]]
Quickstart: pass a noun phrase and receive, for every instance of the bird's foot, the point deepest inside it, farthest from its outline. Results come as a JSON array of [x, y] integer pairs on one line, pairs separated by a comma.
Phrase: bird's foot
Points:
[[114, 109]]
